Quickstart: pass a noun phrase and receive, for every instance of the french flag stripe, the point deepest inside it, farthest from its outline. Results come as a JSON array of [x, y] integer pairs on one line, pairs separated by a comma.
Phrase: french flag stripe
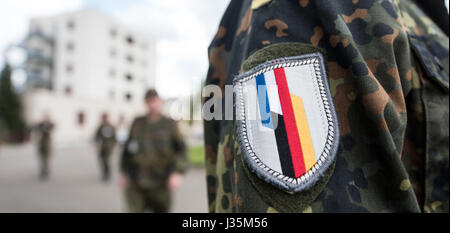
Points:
[[272, 92], [263, 101]]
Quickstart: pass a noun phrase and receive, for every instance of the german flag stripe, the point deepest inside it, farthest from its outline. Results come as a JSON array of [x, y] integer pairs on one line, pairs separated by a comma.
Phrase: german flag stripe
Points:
[[303, 130], [283, 148], [290, 123]]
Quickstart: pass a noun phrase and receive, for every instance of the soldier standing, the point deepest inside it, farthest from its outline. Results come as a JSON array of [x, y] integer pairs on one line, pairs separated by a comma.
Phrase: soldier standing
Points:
[[2, 132], [105, 137], [44, 130], [153, 159]]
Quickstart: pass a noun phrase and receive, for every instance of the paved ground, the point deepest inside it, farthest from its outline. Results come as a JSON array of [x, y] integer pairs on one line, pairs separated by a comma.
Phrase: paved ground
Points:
[[75, 185]]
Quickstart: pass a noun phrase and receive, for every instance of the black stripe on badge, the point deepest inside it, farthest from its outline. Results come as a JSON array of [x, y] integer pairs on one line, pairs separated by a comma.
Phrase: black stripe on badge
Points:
[[284, 150]]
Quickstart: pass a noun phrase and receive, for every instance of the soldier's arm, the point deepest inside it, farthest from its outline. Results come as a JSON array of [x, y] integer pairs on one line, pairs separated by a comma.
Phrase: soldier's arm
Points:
[[97, 134], [180, 159], [374, 55], [126, 164]]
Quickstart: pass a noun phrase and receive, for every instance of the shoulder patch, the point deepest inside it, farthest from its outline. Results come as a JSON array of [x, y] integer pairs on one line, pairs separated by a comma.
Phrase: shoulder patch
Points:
[[287, 126]]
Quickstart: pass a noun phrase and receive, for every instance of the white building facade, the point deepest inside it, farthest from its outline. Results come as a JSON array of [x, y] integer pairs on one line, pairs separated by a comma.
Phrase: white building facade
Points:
[[81, 65]]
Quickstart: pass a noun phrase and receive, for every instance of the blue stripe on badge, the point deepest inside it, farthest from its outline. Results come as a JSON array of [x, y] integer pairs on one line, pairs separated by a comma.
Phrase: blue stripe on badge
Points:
[[263, 101]]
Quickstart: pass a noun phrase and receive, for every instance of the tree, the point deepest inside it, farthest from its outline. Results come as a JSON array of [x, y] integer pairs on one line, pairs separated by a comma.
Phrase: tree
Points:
[[11, 112]]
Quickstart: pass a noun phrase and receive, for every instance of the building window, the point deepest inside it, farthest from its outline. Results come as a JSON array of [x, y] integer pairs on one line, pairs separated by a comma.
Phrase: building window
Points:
[[113, 32], [68, 90], [130, 40], [36, 71], [71, 25], [112, 52], [35, 29], [69, 68], [81, 118], [70, 46], [129, 77], [130, 58], [128, 97], [37, 51]]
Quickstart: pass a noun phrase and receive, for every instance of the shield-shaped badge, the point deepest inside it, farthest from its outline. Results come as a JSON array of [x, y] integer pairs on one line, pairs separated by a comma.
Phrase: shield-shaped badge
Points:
[[287, 125]]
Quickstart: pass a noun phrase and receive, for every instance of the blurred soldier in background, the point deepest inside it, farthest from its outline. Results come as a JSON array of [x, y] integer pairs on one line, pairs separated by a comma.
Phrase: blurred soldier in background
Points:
[[153, 159], [105, 137], [2, 131], [44, 130], [387, 66]]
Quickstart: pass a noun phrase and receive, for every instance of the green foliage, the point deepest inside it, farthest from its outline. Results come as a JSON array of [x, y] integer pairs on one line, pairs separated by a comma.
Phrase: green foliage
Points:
[[196, 156], [11, 112]]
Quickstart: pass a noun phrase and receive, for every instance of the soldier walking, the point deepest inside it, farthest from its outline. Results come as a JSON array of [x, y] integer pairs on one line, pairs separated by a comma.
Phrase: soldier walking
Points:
[[105, 137], [153, 159], [44, 130]]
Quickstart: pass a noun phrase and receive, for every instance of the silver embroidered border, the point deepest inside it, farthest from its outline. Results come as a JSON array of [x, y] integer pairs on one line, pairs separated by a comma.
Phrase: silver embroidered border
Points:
[[290, 184]]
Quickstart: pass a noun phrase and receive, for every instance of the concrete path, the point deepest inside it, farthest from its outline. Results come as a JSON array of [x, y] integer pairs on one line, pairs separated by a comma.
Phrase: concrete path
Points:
[[74, 185]]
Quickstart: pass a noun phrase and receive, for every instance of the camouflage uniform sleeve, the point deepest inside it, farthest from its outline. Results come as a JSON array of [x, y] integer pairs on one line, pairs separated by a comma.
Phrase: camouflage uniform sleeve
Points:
[[126, 161], [180, 162], [211, 145], [2, 131], [387, 68]]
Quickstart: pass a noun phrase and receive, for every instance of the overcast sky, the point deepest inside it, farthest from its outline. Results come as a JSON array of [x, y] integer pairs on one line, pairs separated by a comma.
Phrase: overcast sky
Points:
[[183, 30]]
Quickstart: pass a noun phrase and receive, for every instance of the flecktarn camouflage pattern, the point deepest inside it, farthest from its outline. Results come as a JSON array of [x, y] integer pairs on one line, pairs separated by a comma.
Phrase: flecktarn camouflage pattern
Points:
[[153, 151], [387, 69]]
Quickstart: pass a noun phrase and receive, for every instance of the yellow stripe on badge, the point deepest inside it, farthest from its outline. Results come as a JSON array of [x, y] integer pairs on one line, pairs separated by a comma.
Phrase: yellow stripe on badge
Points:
[[303, 131], [257, 3]]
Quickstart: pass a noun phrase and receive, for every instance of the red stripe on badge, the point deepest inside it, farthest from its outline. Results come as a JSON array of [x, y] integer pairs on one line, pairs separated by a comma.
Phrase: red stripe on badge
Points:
[[291, 125]]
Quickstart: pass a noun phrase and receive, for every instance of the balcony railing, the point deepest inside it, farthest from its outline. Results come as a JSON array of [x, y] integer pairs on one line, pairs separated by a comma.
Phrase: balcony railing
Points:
[[39, 81], [38, 57]]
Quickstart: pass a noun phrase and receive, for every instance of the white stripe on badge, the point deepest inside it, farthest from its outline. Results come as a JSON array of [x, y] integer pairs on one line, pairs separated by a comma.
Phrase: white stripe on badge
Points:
[[265, 142], [272, 92], [302, 82], [267, 149]]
